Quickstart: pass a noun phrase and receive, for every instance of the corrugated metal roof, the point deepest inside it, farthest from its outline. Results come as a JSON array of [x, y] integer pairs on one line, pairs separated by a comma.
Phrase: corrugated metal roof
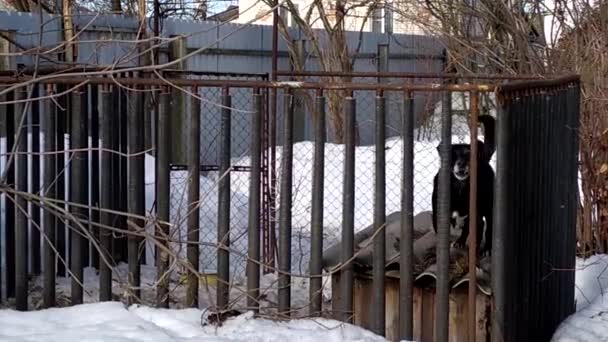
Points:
[[424, 254]]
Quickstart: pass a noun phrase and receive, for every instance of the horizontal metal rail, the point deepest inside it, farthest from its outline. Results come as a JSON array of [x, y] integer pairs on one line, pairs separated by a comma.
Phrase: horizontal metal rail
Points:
[[58, 70], [126, 81], [408, 75]]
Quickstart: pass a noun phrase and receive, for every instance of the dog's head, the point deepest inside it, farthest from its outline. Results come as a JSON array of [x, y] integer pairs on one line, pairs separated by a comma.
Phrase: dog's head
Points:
[[461, 154]]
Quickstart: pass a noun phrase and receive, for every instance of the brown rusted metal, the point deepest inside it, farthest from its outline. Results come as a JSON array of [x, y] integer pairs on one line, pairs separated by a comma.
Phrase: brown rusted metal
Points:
[[111, 69], [474, 96], [77, 79], [373, 74], [538, 84]]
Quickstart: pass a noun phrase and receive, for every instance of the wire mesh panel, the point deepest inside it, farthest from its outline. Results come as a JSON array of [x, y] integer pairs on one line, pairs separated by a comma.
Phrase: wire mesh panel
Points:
[[240, 111]]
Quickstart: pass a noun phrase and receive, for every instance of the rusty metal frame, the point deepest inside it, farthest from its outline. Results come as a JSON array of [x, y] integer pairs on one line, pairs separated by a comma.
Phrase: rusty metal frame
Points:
[[374, 74]]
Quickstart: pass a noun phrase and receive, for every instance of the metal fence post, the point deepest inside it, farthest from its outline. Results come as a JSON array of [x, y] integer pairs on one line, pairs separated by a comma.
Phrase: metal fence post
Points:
[[177, 51], [442, 303], [78, 193], [62, 120], [94, 202], [194, 172], [223, 221], [9, 203], [316, 228], [21, 216], [383, 61], [379, 248], [50, 173], [472, 323], [163, 197], [105, 201], [406, 268], [136, 192], [285, 207], [299, 119], [253, 238], [348, 211], [34, 167]]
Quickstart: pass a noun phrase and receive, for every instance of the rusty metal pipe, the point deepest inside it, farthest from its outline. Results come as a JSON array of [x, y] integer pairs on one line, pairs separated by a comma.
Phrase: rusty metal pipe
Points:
[[373, 74], [222, 83], [474, 97]]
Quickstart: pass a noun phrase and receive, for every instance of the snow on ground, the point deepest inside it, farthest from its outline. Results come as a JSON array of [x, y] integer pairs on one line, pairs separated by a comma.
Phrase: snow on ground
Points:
[[112, 321], [590, 321]]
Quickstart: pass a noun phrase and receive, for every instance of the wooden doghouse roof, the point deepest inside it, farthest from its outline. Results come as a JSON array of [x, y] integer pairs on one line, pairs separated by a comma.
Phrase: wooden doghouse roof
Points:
[[424, 255]]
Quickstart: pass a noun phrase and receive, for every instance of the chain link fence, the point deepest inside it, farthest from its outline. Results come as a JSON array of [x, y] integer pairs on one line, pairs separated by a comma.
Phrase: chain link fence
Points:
[[241, 110]]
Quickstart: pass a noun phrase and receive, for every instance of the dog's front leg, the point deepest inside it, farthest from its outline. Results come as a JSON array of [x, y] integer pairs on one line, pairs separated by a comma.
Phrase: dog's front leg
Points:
[[462, 239]]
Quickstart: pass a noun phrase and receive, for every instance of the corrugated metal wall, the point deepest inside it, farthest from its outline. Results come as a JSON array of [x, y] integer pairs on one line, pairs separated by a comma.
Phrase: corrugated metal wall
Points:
[[535, 240], [109, 39]]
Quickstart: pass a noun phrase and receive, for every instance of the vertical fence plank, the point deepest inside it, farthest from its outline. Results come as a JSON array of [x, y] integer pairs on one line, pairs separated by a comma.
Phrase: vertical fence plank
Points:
[[443, 223], [162, 198], [106, 112], [78, 192], [253, 238], [500, 213], [9, 220], [316, 242], [472, 308], [135, 194], [379, 248], [21, 217], [3, 110], [121, 244], [348, 211], [35, 183], [194, 153], [86, 250], [223, 233], [50, 188], [95, 177], [406, 270], [61, 117], [285, 207]]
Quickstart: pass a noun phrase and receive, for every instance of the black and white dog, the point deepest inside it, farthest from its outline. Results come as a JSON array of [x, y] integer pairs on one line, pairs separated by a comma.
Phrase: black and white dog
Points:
[[459, 188]]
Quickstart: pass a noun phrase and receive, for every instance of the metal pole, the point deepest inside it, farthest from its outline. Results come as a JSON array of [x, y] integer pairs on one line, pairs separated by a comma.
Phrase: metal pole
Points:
[[472, 323], [299, 133], [62, 119], [50, 189], [78, 192], [21, 218], [193, 200], [285, 207], [253, 238], [94, 133], [406, 270], [35, 186], [270, 240], [442, 304], [379, 248], [316, 243], [223, 228], [501, 221], [106, 195], [348, 211], [9, 224], [136, 191], [163, 182], [383, 60]]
